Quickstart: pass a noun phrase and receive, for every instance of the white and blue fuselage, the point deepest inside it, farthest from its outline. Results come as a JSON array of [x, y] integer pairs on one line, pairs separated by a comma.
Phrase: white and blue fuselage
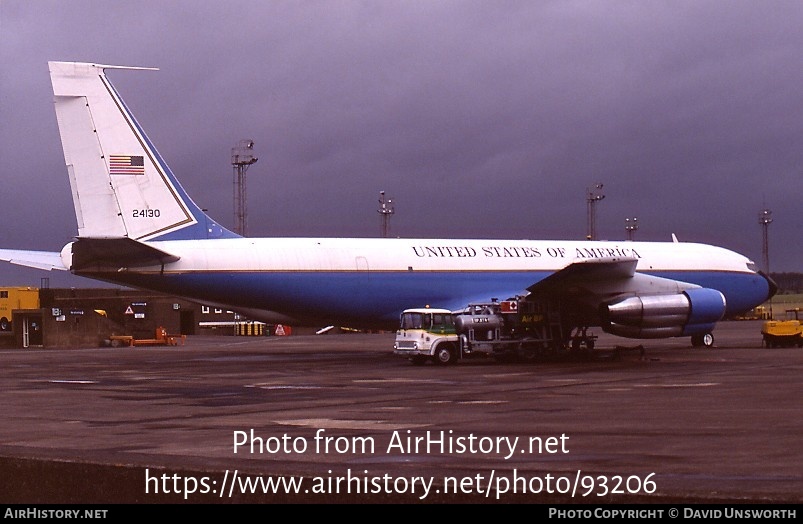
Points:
[[370, 281]]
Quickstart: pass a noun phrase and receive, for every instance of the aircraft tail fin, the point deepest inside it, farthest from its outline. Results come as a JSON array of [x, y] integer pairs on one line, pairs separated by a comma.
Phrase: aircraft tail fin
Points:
[[120, 184]]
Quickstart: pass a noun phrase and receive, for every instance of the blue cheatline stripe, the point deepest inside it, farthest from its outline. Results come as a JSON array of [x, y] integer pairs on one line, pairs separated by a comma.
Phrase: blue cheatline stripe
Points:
[[379, 297]]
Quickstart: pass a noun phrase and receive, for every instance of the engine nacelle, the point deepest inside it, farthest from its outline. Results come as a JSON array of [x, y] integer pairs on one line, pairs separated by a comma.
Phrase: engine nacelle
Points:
[[692, 312]]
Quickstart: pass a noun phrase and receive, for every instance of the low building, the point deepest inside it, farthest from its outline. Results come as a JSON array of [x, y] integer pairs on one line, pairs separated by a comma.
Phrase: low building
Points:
[[90, 316]]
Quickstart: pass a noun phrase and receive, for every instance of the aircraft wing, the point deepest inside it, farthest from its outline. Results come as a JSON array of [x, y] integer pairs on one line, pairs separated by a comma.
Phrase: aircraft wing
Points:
[[603, 279], [585, 274], [46, 260], [612, 294], [595, 281]]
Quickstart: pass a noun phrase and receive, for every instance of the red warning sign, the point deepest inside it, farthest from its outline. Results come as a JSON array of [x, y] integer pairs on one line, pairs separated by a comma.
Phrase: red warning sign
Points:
[[509, 306]]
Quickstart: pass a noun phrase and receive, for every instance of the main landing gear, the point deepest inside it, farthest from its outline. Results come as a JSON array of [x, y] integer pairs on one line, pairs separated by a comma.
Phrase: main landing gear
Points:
[[582, 343], [582, 340]]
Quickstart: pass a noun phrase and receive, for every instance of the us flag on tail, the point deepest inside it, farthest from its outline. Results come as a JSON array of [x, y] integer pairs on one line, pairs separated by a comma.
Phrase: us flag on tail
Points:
[[126, 165]]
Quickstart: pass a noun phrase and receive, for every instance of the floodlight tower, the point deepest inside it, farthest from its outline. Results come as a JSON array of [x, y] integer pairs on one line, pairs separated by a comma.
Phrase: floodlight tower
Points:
[[242, 156], [765, 219], [593, 195], [386, 210], [631, 226]]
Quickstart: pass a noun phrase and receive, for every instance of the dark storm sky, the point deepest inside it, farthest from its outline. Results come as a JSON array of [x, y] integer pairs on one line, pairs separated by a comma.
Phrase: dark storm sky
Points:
[[478, 118]]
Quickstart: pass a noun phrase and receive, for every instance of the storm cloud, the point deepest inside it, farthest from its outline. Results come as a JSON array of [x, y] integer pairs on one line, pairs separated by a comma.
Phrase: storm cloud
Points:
[[479, 119]]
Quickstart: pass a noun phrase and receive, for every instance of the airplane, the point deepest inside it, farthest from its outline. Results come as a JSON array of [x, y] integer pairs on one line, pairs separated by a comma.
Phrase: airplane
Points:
[[138, 227]]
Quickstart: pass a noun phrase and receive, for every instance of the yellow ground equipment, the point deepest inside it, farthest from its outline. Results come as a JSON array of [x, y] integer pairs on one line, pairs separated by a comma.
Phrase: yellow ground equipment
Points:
[[12, 298], [162, 338], [784, 333]]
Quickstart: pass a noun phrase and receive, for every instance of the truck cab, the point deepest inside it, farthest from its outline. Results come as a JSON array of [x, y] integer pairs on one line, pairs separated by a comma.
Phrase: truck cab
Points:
[[427, 334]]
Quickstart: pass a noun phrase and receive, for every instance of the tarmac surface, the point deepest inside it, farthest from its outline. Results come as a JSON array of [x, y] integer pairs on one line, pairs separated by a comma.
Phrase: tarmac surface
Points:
[[339, 418]]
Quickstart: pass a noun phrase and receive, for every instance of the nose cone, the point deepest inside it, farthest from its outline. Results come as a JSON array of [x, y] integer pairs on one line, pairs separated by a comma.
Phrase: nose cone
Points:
[[751, 292], [772, 286]]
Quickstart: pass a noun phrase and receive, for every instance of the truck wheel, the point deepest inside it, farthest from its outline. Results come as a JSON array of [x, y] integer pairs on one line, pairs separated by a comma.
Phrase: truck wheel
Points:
[[444, 355], [5, 325]]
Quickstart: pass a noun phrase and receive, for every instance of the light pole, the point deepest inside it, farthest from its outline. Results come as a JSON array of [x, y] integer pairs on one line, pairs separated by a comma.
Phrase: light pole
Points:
[[765, 219], [631, 226], [385, 209], [242, 156], [593, 195]]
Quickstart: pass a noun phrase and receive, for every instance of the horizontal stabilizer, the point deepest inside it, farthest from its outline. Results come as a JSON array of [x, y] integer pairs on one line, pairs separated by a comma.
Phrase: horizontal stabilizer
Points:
[[46, 260], [98, 254]]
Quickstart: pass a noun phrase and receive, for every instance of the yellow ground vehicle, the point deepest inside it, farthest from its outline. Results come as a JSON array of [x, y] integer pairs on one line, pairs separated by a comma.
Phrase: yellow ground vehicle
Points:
[[12, 298], [784, 333]]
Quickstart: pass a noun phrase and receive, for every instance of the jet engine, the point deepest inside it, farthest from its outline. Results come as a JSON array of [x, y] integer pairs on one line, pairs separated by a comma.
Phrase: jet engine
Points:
[[692, 312]]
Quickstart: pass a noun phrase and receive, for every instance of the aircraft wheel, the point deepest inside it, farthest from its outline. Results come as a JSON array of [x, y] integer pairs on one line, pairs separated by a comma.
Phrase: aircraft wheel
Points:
[[704, 340], [444, 355]]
